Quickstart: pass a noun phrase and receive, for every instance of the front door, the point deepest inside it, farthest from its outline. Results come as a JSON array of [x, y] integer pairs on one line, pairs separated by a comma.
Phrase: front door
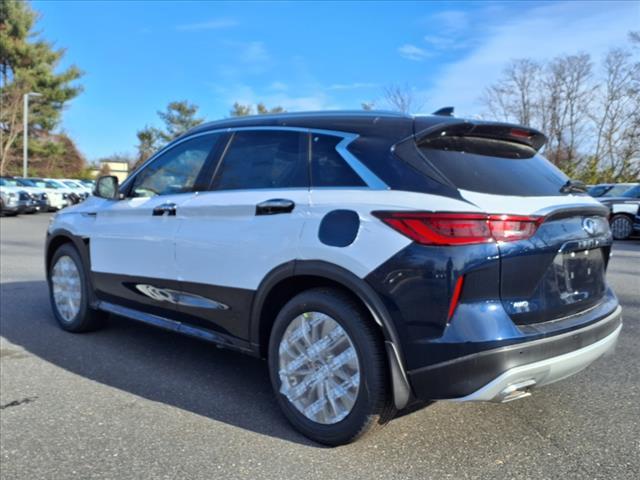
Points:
[[133, 244]]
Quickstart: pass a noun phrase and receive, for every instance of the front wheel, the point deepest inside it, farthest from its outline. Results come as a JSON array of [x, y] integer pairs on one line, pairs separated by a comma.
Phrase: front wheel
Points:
[[328, 367], [69, 292], [621, 226]]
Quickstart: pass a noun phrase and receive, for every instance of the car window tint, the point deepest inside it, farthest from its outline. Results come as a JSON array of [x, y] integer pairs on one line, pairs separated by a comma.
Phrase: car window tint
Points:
[[633, 192], [495, 167], [264, 159], [176, 170], [328, 168]]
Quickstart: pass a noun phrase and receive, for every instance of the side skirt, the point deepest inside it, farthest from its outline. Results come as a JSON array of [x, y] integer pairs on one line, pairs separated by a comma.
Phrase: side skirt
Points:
[[219, 339]]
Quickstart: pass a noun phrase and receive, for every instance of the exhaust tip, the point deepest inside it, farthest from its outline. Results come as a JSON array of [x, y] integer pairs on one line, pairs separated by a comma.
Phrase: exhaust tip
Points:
[[516, 391]]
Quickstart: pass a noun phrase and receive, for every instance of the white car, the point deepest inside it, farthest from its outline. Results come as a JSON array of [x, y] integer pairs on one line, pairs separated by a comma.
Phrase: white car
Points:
[[72, 194], [38, 195], [58, 197], [82, 190], [14, 200]]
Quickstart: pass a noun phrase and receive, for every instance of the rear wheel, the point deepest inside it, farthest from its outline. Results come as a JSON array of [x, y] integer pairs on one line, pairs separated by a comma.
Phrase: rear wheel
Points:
[[328, 367], [621, 226], [69, 292]]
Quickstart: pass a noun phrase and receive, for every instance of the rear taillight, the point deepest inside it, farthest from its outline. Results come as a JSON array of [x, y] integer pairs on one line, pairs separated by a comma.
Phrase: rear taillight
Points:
[[460, 228]]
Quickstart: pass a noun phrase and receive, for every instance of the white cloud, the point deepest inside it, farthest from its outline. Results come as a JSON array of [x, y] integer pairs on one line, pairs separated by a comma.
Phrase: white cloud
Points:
[[449, 21], [215, 24], [542, 33], [253, 52], [247, 95], [411, 52], [352, 86], [280, 86], [244, 58]]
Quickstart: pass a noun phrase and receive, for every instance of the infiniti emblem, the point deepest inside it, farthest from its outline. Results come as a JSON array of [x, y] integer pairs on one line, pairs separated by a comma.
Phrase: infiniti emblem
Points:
[[591, 226]]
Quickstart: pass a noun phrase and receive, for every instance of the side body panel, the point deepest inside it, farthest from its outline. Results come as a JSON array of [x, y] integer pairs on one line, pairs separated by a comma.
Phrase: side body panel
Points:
[[224, 250]]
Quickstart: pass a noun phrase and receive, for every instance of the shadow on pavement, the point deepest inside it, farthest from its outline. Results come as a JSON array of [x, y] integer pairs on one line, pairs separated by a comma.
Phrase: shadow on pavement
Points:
[[161, 366]]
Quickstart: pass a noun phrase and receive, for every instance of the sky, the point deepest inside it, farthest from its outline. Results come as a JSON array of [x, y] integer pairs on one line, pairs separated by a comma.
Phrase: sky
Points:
[[139, 56]]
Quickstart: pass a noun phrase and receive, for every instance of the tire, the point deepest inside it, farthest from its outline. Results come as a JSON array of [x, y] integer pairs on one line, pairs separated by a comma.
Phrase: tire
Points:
[[369, 405], [621, 226], [79, 317]]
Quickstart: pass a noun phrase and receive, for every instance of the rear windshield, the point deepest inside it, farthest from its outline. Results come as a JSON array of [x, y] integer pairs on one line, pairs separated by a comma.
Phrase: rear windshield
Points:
[[495, 167]]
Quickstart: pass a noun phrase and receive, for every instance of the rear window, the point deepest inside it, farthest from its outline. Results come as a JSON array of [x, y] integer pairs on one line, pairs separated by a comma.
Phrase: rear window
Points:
[[328, 168], [495, 167]]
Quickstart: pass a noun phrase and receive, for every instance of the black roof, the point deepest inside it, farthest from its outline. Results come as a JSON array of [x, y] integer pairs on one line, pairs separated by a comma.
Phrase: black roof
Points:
[[356, 121], [391, 126]]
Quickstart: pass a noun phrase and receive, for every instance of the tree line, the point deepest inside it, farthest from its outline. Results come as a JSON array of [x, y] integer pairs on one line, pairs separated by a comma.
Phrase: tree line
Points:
[[30, 64], [179, 117], [590, 111]]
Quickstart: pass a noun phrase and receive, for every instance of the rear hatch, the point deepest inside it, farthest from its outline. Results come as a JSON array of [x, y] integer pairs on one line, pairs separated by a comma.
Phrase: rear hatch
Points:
[[559, 270]]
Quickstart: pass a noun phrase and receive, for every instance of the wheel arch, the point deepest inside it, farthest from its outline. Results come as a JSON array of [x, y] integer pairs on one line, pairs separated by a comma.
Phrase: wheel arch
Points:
[[289, 279], [60, 237]]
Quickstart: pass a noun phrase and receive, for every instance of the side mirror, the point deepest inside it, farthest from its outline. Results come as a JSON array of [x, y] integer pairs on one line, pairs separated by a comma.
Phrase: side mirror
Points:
[[107, 187]]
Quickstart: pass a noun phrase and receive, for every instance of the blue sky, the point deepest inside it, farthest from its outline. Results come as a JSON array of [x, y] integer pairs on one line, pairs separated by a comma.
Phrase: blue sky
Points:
[[138, 56]]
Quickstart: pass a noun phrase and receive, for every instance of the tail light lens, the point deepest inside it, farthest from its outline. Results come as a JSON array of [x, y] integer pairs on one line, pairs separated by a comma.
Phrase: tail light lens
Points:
[[460, 228]]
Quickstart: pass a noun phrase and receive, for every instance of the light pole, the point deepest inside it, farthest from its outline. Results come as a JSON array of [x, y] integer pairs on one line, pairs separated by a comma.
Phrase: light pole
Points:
[[25, 120]]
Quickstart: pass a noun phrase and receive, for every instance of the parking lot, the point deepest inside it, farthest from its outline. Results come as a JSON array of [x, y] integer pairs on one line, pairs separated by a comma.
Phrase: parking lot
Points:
[[132, 401]]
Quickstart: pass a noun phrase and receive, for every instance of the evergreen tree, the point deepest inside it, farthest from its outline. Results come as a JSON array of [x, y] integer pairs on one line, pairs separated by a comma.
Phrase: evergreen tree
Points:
[[178, 118], [30, 64]]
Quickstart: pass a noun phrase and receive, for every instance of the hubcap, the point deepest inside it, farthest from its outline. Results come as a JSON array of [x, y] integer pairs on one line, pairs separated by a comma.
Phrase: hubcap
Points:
[[318, 369], [621, 228], [67, 292]]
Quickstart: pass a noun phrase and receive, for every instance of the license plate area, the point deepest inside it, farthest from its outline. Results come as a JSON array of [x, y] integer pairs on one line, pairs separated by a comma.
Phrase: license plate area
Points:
[[580, 275]]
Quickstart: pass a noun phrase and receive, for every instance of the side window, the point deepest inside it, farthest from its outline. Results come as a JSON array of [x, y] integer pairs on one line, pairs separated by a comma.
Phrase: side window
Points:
[[328, 168], [264, 159], [176, 170]]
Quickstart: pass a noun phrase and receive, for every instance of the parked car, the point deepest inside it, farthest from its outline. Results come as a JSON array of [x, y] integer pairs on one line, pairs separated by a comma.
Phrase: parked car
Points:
[[90, 184], [609, 189], [73, 195], [39, 198], [58, 197], [81, 190], [376, 260], [623, 210], [14, 200]]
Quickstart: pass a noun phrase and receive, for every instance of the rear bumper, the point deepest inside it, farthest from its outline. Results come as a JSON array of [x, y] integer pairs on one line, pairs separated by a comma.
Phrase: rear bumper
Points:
[[507, 373]]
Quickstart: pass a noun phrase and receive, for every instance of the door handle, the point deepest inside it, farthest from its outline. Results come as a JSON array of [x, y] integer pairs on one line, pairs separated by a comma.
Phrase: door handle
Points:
[[166, 208], [275, 206]]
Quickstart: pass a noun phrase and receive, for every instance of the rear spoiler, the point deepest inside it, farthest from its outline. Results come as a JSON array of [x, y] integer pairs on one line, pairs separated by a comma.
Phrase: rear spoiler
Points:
[[491, 130]]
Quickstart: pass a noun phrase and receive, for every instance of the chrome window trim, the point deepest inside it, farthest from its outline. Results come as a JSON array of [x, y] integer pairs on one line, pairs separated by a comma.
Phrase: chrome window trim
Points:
[[372, 181]]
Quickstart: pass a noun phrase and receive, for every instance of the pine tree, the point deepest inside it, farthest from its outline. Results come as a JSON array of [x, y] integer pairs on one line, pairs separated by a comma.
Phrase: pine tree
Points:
[[30, 64]]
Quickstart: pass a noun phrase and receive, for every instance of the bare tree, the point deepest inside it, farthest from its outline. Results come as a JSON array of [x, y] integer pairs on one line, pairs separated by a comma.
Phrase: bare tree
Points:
[[591, 118], [402, 98], [617, 116], [568, 94], [516, 96]]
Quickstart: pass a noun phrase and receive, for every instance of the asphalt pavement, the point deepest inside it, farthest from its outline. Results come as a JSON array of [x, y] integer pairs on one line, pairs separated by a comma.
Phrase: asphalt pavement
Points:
[[135, 402]]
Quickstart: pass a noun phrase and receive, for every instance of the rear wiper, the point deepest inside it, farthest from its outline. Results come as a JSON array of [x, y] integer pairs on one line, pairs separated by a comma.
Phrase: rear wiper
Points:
[[573, 186]]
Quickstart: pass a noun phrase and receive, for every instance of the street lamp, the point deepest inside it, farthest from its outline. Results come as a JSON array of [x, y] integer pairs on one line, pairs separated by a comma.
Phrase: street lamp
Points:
[[25, 119]]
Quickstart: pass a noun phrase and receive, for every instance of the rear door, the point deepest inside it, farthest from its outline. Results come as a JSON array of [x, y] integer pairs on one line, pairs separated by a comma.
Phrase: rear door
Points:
[[560, 270], [133, 240], [247, 225]]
